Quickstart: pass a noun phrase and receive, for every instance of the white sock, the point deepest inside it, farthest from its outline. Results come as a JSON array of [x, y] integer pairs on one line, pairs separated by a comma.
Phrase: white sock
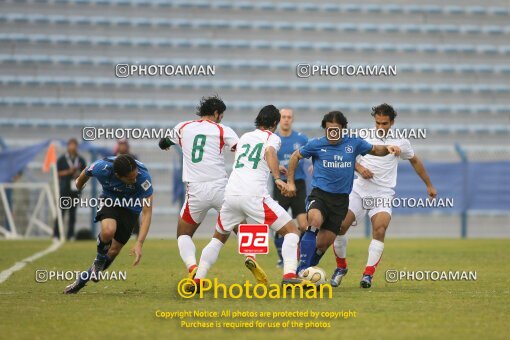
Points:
[[250, 255], [289, 253], [340, 246], [208, 258], [375, 251], [187, 250]]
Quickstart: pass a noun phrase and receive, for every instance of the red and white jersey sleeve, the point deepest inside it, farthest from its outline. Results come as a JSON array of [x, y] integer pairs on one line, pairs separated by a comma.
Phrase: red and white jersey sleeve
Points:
[[203, 143], [231, 139], [385, 168], [250, 171]]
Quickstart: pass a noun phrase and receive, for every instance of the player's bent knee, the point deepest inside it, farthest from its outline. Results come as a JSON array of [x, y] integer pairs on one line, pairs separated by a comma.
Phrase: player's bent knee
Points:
[[108, 232], [315, 218]]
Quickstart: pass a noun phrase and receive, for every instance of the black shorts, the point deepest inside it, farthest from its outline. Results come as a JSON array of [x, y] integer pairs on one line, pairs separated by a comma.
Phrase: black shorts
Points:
[[333, 208], [127, 220], [296, 203]]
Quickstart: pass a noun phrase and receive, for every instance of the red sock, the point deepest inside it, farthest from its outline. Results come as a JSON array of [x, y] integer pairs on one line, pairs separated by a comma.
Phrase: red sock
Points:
[[289, 275], [341, 262], [369, 270], [190, 269]]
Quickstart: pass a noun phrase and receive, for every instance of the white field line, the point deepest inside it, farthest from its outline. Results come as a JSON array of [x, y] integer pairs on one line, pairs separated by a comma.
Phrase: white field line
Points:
[[4, 275]]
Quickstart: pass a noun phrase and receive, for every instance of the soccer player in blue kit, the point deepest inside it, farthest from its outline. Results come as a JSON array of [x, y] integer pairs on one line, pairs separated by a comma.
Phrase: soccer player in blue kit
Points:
[[127, 183], [333, 157], [291, 141]]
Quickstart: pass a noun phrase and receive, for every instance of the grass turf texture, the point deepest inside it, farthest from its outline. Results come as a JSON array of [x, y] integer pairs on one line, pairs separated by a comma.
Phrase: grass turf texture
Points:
[[408, 309]]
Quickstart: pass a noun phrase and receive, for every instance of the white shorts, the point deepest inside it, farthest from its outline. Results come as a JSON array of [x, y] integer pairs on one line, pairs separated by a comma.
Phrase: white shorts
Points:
[[264, 210], [200, 198], [366, 197]]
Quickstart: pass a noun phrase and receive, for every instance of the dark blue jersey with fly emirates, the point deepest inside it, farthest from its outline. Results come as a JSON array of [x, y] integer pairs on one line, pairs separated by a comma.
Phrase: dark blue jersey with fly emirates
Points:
[[333, 165], [114, 188], [289, 145]]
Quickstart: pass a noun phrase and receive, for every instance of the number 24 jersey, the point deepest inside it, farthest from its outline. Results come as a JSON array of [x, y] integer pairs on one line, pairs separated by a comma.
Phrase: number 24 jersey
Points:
[[250, 171]]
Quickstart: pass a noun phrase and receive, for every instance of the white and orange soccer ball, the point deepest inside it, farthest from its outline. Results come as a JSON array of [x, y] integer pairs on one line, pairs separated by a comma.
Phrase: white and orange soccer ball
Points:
[[315, 275]]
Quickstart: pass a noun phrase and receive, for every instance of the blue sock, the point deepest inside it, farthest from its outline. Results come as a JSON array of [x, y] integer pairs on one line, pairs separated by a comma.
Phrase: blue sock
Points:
[[102, 247], [278, 242], [85, 276], [307, 249], [108, 262], [317, 255]]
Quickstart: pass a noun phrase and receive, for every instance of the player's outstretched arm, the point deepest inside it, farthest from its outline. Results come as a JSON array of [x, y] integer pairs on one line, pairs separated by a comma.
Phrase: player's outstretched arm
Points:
[[383, 150], [81, 180], [422, 172], [144, 230], [364, 172], [291, 171], [272, 163]]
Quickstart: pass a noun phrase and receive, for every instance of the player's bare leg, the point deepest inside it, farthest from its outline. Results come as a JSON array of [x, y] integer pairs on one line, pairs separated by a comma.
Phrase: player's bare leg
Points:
[[302, 222], [325, 239], [308, 241], [102, 261], [380, 223], [187, 249], [340, 250]]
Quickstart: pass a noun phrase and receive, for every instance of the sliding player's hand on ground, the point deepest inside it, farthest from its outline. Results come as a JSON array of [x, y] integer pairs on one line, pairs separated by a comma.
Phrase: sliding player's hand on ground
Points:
[[431, 191], [364, 172], [394, 150], [137, 252]]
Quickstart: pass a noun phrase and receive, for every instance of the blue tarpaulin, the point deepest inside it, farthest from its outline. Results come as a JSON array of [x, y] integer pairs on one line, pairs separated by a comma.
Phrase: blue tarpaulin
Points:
[[13, 161]]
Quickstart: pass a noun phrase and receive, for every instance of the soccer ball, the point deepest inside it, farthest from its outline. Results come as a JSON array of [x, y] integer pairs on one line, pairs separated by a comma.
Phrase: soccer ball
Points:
[[315, 275]]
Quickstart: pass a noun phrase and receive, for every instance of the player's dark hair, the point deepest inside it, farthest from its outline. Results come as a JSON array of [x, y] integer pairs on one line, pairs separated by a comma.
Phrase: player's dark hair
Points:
[[209, 105], [124, 165], [334, 117], [385, 110], [268, 116], [72, 141]]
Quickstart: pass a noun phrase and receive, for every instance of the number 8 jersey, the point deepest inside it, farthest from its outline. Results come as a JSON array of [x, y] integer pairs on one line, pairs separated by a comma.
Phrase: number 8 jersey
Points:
[[250, 172], [202, 143]]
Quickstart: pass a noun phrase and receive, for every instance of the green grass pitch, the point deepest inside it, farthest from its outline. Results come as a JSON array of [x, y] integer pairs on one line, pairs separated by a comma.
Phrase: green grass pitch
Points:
[[126, 309]]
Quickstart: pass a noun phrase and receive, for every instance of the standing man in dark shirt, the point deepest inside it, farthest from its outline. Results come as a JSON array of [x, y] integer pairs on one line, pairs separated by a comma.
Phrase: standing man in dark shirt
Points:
[[69, 167], [291, 141]]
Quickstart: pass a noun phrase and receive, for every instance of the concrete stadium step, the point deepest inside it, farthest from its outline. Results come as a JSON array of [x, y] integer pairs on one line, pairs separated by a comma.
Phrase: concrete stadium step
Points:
[[400, 11], [251, 30], [350, 53]]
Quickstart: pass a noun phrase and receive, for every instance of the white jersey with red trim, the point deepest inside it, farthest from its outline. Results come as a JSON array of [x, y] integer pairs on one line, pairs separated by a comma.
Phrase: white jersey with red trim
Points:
[[250, 172], [203, 143], [385, 168]]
